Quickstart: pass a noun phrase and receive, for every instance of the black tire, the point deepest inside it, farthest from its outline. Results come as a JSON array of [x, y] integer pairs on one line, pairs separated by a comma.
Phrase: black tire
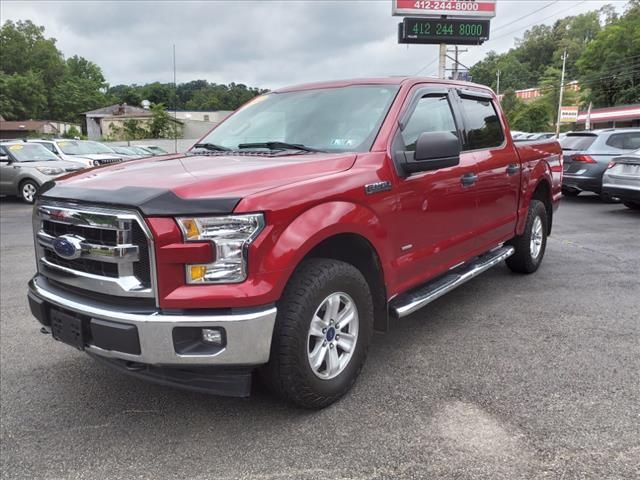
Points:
[[27, 191], [289, 373], [632, 205], [570, 192], [523, 260]]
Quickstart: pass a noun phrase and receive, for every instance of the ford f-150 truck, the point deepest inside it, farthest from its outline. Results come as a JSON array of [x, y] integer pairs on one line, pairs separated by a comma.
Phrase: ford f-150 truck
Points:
[[308, 219]]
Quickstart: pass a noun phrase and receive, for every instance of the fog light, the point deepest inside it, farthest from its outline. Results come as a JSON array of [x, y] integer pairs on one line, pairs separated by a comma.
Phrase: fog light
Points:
[[212, 336]]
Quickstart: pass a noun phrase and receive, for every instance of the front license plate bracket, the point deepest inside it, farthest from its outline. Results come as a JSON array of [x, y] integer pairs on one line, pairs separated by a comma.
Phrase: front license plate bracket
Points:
[[67, 328]]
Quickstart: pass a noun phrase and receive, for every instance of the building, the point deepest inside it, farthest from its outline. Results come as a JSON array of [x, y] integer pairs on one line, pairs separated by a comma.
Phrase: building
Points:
[[197, 123], [613, 117], [32, 128], [105, 123], [101, 123], [531, 94]]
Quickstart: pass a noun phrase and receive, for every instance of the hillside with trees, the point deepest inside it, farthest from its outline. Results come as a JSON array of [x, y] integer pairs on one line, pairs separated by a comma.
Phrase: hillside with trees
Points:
[[37, 82], [603, 50]]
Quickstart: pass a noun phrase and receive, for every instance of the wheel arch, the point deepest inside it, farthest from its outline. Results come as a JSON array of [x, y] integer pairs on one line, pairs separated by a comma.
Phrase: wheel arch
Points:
[[542, 192]]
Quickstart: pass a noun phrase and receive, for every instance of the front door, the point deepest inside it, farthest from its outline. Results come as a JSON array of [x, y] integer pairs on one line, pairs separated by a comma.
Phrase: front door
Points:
[[7, 173], [435, 215]]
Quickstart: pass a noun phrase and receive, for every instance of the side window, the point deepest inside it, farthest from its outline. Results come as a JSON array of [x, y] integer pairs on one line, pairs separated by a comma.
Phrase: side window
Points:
[[432, 114], [625, 141], [482, 124]]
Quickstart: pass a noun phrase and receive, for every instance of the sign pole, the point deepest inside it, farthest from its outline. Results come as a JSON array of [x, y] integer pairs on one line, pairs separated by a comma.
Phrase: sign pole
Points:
[[442, 66]]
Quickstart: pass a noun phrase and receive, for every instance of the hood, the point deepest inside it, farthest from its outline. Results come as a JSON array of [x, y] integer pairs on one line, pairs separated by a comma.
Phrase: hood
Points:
[[67, 165], [194, 183]]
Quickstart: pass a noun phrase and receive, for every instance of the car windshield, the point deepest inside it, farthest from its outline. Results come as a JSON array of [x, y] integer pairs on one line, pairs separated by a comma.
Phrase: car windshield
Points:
[[577, 142], [75, 147], [30, 152], [331, 119], [156, 149]]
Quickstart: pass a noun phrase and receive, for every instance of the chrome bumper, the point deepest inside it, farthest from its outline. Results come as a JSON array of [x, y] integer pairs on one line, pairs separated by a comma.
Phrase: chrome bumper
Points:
[[248, 335]]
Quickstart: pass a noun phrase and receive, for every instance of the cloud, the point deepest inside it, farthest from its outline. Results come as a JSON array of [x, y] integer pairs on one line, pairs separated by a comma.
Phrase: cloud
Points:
[[260, 43]]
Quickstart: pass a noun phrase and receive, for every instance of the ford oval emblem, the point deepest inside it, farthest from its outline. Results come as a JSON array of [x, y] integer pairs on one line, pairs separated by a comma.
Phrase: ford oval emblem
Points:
[[68, 246]]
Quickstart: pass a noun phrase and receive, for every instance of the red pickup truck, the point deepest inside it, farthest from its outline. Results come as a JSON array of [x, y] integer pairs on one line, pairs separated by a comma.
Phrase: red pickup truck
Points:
[[281, 241]]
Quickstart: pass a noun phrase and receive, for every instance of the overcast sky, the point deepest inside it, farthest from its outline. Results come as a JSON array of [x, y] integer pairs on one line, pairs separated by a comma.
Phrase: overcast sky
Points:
[[264, 43]]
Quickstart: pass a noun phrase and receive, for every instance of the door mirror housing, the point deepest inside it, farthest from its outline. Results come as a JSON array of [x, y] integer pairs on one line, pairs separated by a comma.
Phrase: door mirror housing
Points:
[[5, 158], [434, 150]]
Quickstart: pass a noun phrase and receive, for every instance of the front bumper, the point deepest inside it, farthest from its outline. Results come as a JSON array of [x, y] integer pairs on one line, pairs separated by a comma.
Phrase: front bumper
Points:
[[247, 332]]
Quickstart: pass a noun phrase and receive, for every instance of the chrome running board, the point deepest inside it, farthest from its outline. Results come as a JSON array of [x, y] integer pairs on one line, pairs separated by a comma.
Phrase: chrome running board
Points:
[[410, 302]]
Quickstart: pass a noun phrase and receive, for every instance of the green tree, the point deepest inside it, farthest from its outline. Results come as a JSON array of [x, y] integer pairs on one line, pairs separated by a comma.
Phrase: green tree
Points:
[[81, 89], [532, 117], [610, 64], [161, 123], [73, 132], [22, 96], [511, 105]]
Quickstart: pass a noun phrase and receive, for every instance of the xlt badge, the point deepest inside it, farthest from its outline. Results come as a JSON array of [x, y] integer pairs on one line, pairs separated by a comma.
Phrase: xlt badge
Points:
[[377, 187]]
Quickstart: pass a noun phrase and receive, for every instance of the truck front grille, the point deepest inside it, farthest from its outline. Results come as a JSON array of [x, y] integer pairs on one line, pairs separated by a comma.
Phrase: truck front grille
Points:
[[102, 250]]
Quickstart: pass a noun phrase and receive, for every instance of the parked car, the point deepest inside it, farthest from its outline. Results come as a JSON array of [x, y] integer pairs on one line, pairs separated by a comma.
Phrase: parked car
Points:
[[130, 152], [587, 154], [24, 167], [622, 179], [87, 152], [154, 149], [289, 233]]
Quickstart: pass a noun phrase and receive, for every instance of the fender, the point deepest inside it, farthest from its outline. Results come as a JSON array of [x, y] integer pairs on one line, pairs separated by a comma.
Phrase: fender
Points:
[[317, 224], [531, 179]]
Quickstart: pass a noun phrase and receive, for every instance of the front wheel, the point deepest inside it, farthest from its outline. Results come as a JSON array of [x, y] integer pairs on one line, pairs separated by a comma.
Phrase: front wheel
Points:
[[28, 190], [321, 335], [531, 245]]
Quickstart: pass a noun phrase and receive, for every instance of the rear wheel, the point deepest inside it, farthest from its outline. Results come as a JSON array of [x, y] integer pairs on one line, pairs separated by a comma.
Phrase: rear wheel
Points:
[[632, 205], [531, 245], [28, 190], [322, 334]]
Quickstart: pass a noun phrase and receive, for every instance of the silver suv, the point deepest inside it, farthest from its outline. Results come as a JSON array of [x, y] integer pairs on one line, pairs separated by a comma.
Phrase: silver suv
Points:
[[587, 154], [24, 167], [87, 152]]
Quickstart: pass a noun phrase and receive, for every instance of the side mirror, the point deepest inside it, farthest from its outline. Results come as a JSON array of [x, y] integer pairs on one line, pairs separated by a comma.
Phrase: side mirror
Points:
[[434, 150], [5, 158]]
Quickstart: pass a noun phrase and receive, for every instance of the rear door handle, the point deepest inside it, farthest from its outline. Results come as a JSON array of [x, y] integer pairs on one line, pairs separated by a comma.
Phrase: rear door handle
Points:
[[468, 179], [512, 169]]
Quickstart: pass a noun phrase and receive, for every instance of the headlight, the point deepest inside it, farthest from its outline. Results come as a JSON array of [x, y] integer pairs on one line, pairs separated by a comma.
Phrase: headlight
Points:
[[50, 170], [231, 236]]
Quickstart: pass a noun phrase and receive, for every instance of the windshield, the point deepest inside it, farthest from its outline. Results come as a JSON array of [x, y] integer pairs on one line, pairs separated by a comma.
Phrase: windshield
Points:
[[577, 142], [332, 119], [74, 147], [31, 152]]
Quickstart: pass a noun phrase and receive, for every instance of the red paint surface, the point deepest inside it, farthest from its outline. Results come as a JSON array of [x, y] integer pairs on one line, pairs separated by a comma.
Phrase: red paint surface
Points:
[[309, 198]]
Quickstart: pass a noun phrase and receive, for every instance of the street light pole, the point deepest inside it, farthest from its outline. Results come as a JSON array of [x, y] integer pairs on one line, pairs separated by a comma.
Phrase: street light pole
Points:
[[564, 65]]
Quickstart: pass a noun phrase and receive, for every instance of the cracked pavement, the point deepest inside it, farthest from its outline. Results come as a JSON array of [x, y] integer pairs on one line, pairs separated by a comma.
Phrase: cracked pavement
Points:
[[507, 377]]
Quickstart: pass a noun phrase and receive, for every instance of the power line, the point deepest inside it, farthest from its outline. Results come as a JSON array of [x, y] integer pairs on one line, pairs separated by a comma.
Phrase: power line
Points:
[[525, 16]]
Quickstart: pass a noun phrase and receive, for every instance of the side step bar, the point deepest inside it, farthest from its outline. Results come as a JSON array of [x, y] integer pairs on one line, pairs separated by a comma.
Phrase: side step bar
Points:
[[410, 302]]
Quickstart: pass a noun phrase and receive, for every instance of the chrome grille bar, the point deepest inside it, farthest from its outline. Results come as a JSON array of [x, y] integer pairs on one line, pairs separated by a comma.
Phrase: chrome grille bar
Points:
[[105, 260]]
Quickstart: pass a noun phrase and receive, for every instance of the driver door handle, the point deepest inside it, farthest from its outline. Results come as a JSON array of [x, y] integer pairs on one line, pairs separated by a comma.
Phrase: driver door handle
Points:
[[512, 169], [468, 179]]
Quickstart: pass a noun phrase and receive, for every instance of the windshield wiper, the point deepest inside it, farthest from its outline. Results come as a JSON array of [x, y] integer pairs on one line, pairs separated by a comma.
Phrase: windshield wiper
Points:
[[279, 146], [212, 146]]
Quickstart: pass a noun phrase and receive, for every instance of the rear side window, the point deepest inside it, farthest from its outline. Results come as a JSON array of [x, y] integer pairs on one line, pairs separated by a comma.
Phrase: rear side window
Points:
[[482, 124], [577, 142], [432, 114], [625, 141]]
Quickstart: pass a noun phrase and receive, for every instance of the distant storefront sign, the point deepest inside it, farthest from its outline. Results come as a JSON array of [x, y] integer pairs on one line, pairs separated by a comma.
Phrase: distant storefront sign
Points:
[[452, 8], [568, 114]]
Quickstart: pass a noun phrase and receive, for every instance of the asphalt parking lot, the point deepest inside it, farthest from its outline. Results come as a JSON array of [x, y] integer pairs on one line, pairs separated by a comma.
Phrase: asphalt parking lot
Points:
[[508, 377]]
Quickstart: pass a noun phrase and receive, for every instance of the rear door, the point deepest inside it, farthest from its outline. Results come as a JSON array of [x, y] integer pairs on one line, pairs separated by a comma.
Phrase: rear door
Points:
[[435, 209], [498, 165]]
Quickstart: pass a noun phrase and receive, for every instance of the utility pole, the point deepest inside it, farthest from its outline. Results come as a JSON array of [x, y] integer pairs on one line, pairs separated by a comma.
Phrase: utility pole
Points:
[[455, 66], [498, 85], [175, 103], [564, 65], [442, 65]]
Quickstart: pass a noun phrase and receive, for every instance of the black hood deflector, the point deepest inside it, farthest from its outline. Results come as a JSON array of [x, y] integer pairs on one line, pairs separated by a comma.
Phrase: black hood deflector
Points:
[[155, 202]]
